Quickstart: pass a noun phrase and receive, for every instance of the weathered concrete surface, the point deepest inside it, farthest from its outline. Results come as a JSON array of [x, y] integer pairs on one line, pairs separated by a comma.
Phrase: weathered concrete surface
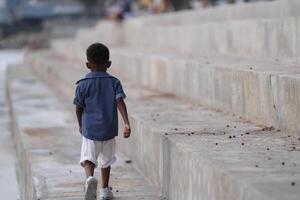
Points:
[[9, 188], [194, 153], [268, 30], [243, 60], [255, 89], [276, 38], [48, 145], [254, 10], [263, 92]]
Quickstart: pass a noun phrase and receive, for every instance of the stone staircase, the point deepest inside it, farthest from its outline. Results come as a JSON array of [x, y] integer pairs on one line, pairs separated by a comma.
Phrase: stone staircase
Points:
[[213, 99]]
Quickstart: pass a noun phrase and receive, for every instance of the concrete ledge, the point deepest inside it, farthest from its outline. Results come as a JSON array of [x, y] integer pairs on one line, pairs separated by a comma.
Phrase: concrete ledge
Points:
[[194, 153], [269, 30], [253, 10], [268, 39], [264, 92]]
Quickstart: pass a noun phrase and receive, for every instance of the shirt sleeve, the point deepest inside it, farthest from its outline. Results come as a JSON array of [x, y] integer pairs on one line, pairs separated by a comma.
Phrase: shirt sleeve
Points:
[[119, 92], [79, 97]]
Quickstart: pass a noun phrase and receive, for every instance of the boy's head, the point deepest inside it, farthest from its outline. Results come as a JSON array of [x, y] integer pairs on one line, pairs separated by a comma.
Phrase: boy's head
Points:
[[98, 57]]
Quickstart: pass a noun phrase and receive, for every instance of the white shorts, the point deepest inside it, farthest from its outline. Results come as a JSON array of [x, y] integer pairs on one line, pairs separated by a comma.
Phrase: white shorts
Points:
[[98, 151]]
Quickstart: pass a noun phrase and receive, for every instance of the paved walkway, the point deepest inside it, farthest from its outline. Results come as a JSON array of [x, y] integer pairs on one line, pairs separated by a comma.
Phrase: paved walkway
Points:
[[8, 181], [49, 146]]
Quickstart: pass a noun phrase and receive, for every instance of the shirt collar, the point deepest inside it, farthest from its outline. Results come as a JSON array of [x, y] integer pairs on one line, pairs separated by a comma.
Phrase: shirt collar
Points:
[[97, 75]]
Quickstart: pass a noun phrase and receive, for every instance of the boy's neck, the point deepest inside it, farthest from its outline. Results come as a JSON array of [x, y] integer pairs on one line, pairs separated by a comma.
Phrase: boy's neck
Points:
[[98, 70]]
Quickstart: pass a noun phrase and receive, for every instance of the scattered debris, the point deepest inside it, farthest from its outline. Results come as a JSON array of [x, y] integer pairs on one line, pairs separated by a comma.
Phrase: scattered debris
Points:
[[293, 183], [189, 134], [233, 136], [247, 133], [269, 158], [256, 166], [282, 163], [216, 143], [230, 136], [227, 126], [243, 143], [50, 153], [176, 129], [268, 128], [166, 133], [234, 127], [242, 135], [250, 68], [117, 190], [128, 161], [268, 149]]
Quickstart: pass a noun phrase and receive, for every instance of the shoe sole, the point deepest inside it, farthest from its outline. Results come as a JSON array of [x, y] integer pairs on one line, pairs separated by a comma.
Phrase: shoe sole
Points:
[[107, 198], [91, 191]]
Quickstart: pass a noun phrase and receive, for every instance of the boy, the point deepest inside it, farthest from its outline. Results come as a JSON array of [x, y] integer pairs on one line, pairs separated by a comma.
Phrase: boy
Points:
[[97, 98]]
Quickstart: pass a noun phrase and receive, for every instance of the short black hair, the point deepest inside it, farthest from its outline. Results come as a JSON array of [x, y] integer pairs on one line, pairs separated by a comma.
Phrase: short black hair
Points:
[[97, 53]]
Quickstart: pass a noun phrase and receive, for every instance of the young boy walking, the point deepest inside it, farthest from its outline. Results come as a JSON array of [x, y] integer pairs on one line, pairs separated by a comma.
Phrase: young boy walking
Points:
[[97, 98]]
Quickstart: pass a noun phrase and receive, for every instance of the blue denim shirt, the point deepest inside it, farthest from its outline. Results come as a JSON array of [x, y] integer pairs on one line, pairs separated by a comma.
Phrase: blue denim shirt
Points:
[[97, 94]]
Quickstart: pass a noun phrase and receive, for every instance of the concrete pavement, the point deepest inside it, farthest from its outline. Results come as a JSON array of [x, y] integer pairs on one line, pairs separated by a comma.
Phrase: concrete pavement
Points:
[[48, 146], [9, 188]]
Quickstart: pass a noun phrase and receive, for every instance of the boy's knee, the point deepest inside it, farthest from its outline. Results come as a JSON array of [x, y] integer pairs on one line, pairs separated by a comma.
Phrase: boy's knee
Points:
[[88, 163], [105, 167]]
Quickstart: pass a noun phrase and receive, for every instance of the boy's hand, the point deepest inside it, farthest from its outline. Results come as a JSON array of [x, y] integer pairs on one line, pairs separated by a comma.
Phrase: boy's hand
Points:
[[127, 131]]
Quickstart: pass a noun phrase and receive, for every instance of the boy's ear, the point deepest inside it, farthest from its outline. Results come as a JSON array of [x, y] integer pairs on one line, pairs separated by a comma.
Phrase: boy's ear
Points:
[[87, 65], [108, 64]]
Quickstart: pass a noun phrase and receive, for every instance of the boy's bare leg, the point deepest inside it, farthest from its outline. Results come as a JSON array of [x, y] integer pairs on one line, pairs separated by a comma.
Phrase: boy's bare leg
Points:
[[105, 172], [89, 168]]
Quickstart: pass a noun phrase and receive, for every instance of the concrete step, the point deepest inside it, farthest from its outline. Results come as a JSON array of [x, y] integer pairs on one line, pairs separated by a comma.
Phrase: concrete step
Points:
[[9, 188], [195, 153], [268, 39], [264, 92], [48, 146], [250, 38], [269, 30], [253, 10]]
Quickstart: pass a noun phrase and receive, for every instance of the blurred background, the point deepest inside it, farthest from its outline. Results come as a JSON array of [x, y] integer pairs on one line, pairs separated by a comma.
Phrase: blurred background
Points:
[[34, 22]]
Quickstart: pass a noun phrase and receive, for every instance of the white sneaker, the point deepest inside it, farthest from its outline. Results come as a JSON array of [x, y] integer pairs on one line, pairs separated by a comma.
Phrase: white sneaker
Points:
[[91, 188], [106, 194]]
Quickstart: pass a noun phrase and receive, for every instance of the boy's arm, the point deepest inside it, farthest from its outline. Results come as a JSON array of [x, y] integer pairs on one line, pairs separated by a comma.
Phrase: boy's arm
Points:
[[123, 110], [79, 112]]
